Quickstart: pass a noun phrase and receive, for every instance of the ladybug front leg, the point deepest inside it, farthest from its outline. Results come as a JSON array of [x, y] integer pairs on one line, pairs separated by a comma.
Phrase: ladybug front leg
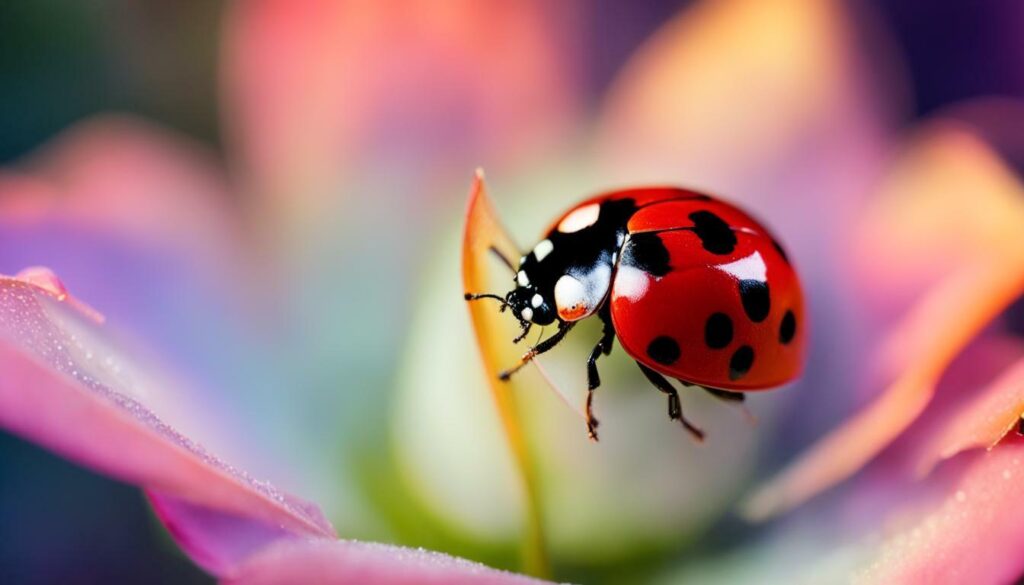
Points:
[[604, 346], [675, 411], [547, 344]]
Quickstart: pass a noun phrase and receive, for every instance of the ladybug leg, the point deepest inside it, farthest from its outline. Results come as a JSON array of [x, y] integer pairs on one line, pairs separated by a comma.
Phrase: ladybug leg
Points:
[[726, 395], [675, 411], [604, 346], [736, 398], [563, 328], [503, 258]]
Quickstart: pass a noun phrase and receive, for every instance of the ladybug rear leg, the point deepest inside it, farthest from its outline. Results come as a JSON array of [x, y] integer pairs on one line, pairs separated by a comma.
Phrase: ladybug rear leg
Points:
[[675, 411], [604, 346], [726, 395], [736, 398]]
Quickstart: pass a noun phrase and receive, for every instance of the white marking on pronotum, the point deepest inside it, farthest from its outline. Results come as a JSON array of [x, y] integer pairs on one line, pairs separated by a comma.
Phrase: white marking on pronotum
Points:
[[542, 249], [527, 313], [522, 279], [630, 282], [750, 268], [537, 301], [579, 218]]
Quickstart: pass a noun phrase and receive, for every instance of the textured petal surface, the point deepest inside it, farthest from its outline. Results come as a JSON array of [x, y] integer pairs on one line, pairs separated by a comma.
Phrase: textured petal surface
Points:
[[69, 388], [974, 536], [347, 562]]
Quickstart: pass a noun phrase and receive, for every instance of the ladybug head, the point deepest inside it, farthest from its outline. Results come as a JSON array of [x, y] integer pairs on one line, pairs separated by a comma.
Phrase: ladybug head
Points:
[[528, 305]]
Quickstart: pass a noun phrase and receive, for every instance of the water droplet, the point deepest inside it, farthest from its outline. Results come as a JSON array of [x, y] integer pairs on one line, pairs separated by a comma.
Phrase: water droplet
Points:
[[961, 496]]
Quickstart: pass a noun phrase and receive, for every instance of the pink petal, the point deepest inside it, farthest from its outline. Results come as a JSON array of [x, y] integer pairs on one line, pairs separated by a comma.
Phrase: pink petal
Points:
[[959, 309], [983, 422], [67, 388], [124, 176], [317, 91], [45, 279], [974, 536], [947, 186], [347, 562]]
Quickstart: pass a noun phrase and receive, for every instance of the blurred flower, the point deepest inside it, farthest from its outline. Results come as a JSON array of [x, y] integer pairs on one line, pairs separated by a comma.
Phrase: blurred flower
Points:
[[286, 279]]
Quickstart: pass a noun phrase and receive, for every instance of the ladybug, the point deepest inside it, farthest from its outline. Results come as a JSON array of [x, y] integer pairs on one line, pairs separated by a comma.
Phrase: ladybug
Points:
[[693, 288]]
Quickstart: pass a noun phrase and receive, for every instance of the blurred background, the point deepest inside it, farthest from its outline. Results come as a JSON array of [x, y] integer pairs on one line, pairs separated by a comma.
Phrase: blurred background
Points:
[[267, 200]]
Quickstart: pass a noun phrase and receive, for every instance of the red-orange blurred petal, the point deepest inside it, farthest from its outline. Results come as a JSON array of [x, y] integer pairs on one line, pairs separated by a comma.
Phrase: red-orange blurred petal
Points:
[[315, 90]]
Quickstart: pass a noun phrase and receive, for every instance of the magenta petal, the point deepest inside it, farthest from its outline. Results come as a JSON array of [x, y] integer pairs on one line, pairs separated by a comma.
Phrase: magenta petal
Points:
[[347, 562], [64, 386], [975, 535]]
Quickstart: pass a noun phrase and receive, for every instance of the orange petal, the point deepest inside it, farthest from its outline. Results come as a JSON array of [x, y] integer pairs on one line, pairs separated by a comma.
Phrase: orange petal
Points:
[[983, 422], [484, 232], [974, 536], [730, 89], [978, 288], [949, 199]]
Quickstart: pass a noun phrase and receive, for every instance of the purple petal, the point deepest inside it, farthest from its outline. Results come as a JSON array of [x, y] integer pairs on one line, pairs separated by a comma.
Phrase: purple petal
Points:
[[65, 386], [330, 562]]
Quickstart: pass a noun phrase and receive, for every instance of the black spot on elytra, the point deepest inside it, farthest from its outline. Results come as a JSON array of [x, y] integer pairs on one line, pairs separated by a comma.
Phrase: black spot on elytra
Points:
[[718, 331], [787, 329], [715, 235], [780, 250], [755, 298], [647, 252], [740, 362], [663, 350]]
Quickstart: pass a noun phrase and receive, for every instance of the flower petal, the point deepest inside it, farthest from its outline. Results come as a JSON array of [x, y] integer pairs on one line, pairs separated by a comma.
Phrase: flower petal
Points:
[[974, 536], [67, 387], [968, 297], [983, 422], [318, 91], [483, 237], [347, 562], [124, 176], [692, 102]]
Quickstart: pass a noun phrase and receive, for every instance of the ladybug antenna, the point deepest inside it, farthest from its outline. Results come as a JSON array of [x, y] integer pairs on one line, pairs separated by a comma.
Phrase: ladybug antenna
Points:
[[477, 297], [504, 259]]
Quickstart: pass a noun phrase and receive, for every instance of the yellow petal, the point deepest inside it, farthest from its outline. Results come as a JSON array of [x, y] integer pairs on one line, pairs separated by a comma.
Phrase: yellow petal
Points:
[[733, 87], [484, 233]]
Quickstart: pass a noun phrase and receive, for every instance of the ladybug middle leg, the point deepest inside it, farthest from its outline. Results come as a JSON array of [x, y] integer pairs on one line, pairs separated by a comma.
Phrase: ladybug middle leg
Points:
[[604, 346], [675, 411]]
